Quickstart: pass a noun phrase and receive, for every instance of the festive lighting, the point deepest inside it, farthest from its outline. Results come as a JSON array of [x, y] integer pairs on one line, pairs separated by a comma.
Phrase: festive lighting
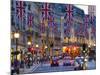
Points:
[[29, 43], [74, 48], [66, 40], [64, 49], [37, 45], [46, 47]]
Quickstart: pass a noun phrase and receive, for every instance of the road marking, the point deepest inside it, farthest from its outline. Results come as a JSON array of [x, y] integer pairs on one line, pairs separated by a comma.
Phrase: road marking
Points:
[[35, 68]]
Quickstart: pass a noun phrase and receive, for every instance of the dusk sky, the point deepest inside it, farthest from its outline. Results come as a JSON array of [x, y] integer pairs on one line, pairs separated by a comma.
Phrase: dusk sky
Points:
[[84, 7]]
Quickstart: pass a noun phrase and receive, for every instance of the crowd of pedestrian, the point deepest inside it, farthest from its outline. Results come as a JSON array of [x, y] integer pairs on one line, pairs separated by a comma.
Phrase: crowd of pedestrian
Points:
[[27, 62]]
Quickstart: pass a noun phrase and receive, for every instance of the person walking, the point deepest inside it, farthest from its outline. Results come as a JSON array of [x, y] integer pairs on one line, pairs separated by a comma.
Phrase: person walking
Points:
[[16, 66]]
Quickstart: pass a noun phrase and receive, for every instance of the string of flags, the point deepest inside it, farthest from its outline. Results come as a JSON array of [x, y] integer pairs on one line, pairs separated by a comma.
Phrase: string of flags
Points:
[[23, 17]]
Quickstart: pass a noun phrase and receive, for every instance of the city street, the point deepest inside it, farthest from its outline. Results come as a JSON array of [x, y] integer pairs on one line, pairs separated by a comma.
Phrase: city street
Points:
[[47, 37], [60, 68], [47, 68], [42, 68]]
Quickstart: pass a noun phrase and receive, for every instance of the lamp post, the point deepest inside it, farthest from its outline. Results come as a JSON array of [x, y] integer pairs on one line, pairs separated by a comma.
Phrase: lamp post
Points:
[[16, 36], [37, 46], [85, 54], [29, 44], [47, 36]]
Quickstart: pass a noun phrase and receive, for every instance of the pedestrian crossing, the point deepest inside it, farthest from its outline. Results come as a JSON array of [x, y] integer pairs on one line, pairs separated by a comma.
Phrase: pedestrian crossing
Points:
[[43, 69]]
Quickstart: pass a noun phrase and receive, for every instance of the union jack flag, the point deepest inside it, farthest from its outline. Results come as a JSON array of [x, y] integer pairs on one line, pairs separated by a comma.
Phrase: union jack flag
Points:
[[93, 30], [69, 13], [55, 27], [92, 23], [30, 19], [42, 27], [20, 8], [25, 18], [51, 21], [20, 12], [86, 20], [67, 29], [91, 19], [93, 26], [15, 15], [80, 30], [46, 11], [69, 18], [86, 23]]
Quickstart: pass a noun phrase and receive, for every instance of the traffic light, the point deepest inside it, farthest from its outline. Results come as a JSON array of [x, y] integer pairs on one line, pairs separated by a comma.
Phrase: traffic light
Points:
[[84, 47], [51, 45]]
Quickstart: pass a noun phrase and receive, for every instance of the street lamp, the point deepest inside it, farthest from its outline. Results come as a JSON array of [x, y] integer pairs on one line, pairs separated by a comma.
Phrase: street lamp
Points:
[[16, 36], [29, 43], [46, 47], [37, 45]]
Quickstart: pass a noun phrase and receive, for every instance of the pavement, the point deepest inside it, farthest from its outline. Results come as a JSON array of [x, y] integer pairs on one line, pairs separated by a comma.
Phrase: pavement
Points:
[[45, 67], [60, 68], [91, 65], [29, 70]]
